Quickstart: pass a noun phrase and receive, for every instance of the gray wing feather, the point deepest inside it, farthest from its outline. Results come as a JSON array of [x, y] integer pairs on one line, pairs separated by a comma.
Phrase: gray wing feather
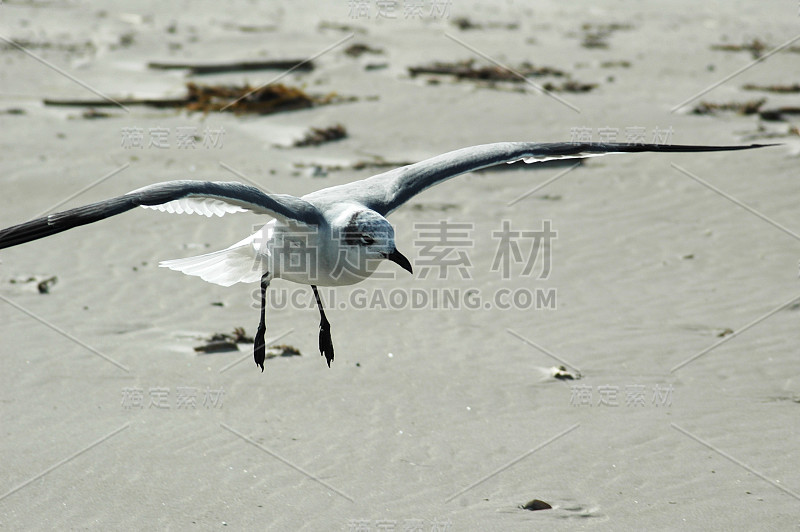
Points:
[[388, 191], [277, 205]]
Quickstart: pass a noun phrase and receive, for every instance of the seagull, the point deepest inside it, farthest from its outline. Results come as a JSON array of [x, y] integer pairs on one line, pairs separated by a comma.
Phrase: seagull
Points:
[[336, 236]]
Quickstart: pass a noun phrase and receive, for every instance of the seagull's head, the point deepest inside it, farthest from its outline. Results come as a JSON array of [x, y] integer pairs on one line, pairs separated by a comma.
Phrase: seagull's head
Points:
[[370, 236]]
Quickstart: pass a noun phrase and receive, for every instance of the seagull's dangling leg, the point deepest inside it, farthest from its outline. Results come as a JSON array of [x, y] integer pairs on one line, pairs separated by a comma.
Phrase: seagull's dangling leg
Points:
[[325, 342], [259, 349]]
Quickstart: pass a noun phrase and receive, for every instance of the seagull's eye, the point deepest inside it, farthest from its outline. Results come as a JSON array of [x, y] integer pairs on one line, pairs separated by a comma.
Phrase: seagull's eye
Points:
[[367, 240]]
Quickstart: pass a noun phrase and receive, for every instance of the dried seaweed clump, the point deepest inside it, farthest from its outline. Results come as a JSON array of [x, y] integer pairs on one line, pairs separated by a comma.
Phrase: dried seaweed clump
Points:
[[318, 136], [246, 99], [756, 48], [220, 342]]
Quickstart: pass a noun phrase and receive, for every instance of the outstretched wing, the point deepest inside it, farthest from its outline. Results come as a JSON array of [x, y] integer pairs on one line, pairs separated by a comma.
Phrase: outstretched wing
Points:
[[202, 197], [388, 191]]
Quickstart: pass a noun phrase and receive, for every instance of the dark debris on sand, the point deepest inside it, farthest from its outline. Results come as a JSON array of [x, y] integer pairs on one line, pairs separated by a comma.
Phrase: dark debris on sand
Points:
[[784, 89], [359, 49], [569, 86], [249, 100], [491, 74], [317, 136], [43, 285], [743, 108], [465, 24], [756, 47], [467, 70], [375, 164], [773, 114], [535, 505], [302, 65], [220, 342], [224, 342], [563, 374], [779, 114], [596, 35]]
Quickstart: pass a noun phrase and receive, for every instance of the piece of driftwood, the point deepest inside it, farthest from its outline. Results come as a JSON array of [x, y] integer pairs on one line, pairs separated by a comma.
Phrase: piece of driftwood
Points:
[[150, 102], [786, 89], [779, 114], [468, 70], [302, 65]]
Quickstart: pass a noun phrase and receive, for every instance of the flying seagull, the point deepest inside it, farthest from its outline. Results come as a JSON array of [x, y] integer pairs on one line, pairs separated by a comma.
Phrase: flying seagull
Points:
[[338, 234]]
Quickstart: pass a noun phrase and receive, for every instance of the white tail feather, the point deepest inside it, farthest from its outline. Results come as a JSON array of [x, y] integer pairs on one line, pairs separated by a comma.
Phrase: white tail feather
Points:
[[240, 263], [225, 267]]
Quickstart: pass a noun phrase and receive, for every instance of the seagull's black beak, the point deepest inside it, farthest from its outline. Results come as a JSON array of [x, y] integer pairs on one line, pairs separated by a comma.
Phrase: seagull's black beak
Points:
[[400, 259]]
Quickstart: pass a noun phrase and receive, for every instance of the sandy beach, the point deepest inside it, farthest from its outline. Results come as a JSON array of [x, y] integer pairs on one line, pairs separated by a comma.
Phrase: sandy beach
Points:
[[670, 294]]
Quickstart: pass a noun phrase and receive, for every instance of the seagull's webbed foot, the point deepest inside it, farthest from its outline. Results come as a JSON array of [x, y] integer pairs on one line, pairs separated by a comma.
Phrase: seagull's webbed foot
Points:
[[325, 341], [259, 349], [259, 344]]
